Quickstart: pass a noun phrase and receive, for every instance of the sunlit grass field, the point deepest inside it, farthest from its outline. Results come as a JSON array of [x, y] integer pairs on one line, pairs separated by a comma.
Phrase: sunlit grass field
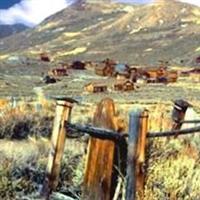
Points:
[[172, 165]]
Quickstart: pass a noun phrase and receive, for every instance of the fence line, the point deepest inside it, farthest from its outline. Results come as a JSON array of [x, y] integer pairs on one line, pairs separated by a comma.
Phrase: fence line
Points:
[[98, 177], [190, 122], [174, 132], [112, 135], [100, 133]]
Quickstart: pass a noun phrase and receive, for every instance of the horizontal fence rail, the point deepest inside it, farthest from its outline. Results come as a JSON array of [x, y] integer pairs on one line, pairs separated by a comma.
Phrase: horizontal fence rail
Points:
[[174, 132], [111, 135], [95, 132], [190, 122]]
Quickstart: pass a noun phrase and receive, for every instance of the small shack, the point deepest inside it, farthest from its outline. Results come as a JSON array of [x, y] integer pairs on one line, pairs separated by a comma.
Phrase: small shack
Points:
[[48, 79], [172, 76], [95, 87], [44, 57], [79, 65], [123, 85], [155, 75], [103, 69]]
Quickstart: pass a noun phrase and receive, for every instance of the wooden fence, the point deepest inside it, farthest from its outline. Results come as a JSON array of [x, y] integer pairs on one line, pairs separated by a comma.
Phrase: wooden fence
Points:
[[100, 181]]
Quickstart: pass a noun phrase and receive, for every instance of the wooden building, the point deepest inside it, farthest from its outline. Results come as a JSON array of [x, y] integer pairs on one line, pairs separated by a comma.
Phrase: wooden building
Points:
[[79, 65], [123, 85], [44, 57], [48, 79], [155, 75], [172, 76], [95, 87], [103, 69]]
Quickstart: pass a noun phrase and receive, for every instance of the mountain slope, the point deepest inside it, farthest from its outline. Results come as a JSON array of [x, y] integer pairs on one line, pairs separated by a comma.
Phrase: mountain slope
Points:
[[167, 30], [7, 30]]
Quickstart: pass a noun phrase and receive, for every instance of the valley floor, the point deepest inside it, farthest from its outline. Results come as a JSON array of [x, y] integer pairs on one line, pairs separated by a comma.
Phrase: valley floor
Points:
[[26, 82], [173, 165]]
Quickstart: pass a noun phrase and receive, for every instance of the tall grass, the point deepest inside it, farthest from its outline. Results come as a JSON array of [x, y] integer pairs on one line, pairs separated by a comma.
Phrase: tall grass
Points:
[[172, 165]]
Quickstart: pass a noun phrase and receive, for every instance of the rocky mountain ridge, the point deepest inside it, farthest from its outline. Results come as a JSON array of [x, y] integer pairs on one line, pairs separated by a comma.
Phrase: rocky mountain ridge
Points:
[[91, 30]]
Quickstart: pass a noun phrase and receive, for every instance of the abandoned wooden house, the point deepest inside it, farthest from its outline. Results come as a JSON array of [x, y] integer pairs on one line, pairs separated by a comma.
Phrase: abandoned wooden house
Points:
[[95, 87], [149, 74], [44, 57], [123, 85], [79, 65], [48, 79], [172, 76], [155, 75], [58, 72], [103, 69]]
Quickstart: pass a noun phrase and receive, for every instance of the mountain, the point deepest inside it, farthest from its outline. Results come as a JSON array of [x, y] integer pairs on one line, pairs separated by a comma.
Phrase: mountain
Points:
[[94, 30], [7, 30]]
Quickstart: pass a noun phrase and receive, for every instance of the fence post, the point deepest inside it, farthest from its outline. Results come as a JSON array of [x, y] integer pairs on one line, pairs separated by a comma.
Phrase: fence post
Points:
[[136, 153], [99, 179], [141, 153], [99, 168], [63, 113]]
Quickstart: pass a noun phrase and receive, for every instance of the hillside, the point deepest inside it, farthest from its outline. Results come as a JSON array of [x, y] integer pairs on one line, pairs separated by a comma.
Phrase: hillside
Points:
[[91, 30], [7, 30]]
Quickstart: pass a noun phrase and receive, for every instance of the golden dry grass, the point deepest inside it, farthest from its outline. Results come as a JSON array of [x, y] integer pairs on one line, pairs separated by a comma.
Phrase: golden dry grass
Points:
[[172, 165]]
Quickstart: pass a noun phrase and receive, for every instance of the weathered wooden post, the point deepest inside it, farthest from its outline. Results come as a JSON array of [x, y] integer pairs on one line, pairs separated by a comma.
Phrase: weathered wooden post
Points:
[[98, 180], [141, 153], [99, 168], [63, 113], [134, 126], [136, 153]]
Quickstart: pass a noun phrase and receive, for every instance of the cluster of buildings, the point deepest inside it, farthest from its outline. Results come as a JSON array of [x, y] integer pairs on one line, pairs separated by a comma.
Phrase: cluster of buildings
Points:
[[124, 76]]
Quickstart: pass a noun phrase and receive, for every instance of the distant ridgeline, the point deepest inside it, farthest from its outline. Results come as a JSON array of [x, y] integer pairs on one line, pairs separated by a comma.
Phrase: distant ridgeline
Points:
[[164, 30], [7, 30]]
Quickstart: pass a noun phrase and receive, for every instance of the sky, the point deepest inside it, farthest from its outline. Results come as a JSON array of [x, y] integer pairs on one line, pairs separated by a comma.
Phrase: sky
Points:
[[32, 12]]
